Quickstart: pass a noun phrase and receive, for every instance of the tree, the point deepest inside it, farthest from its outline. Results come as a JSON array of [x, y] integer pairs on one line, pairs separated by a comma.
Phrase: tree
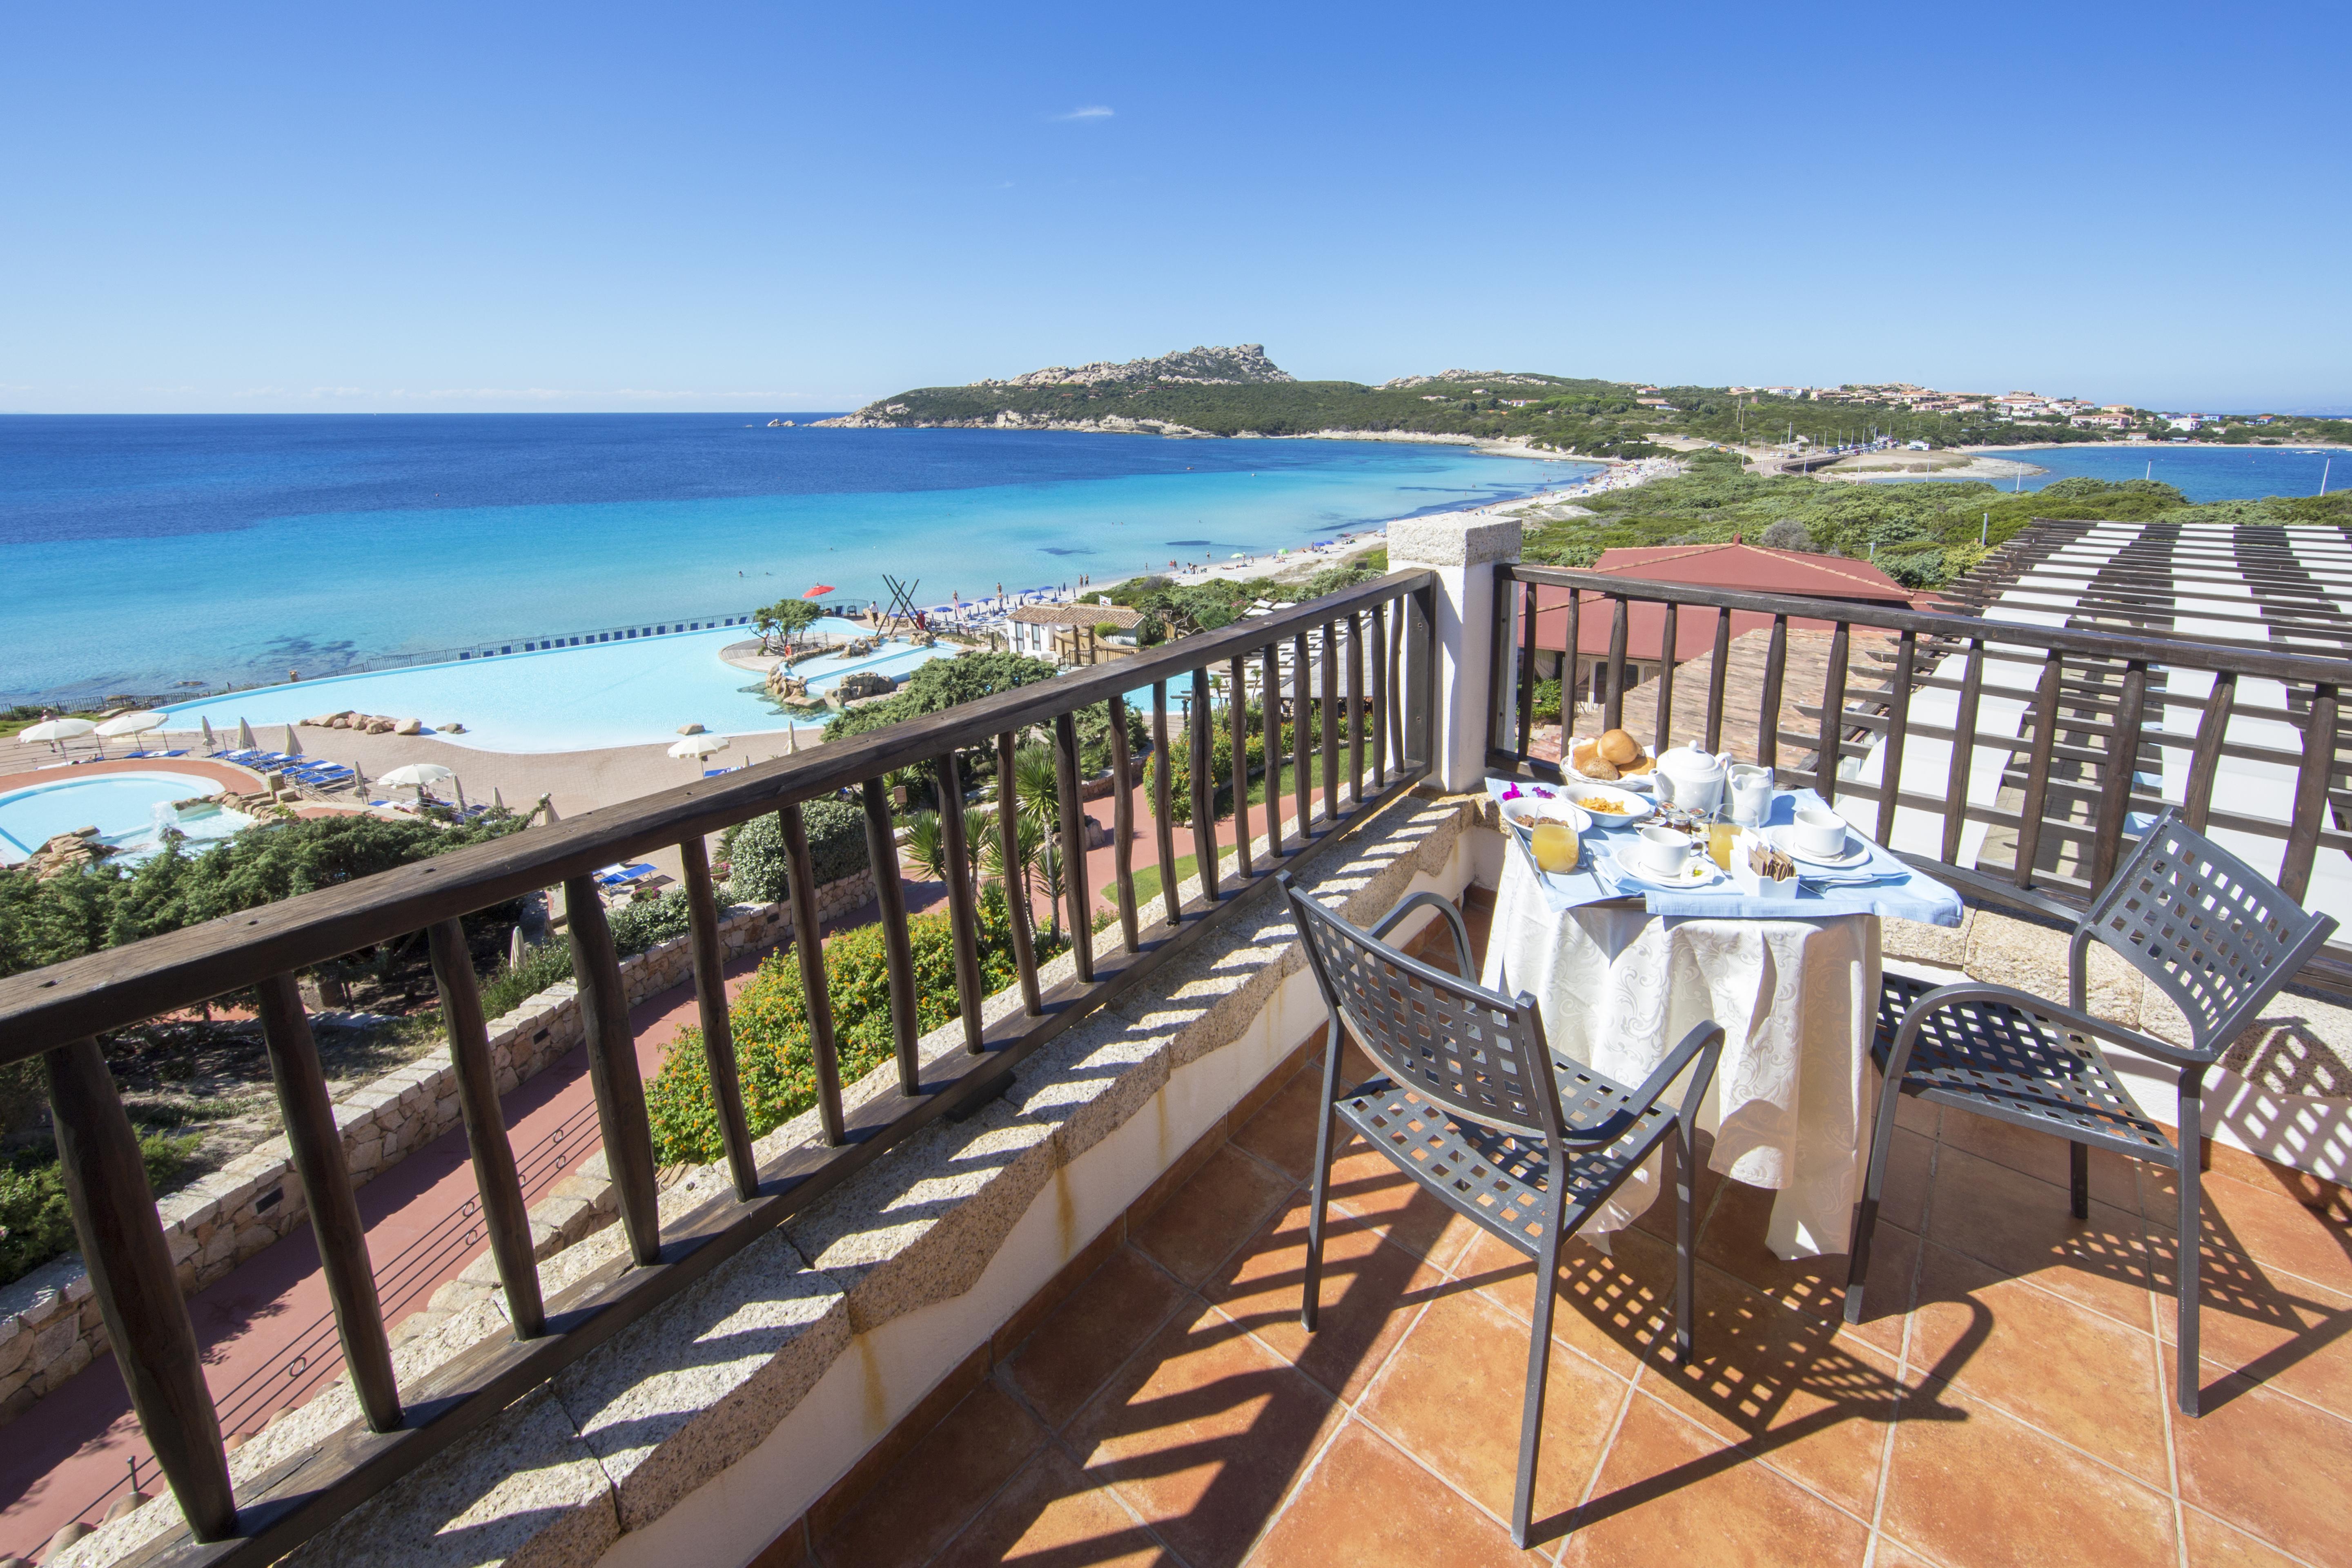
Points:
[[786, 619]]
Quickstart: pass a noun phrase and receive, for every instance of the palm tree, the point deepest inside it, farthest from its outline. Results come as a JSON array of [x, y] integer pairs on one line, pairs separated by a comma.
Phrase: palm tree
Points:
[[1038, 795], [927, 842]]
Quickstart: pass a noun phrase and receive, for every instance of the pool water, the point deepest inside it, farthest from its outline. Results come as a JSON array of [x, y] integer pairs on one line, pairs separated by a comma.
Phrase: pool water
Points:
[[129, 810], [558, 700]]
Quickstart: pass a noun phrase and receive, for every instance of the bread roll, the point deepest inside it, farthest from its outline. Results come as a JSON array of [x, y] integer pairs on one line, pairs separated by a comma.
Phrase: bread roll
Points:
[[1620, 747]]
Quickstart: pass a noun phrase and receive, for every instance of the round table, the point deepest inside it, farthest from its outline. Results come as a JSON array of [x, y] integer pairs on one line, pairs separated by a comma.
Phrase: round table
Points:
[[1793, 1101]]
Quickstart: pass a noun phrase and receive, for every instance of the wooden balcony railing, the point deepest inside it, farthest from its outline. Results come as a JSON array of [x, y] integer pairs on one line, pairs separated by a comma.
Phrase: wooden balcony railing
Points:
[[2086, 755], [1381, 632]]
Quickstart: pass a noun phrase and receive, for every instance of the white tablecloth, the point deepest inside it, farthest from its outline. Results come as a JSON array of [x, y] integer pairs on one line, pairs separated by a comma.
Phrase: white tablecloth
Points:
[[1791, 1105]]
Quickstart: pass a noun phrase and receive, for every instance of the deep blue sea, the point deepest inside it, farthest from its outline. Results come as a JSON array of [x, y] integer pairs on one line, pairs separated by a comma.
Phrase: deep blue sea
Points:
[[141, 552], [2201, 473]]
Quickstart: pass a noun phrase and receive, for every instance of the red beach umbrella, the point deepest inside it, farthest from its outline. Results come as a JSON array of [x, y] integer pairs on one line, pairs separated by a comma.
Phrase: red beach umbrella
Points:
[[819, 592]]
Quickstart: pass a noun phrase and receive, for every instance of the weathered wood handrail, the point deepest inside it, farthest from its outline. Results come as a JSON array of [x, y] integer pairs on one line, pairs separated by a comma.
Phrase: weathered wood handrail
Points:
[[57, 1013]]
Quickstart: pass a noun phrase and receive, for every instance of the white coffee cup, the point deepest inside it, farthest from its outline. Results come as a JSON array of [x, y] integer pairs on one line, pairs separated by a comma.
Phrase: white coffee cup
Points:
[[1820, 832], [1665, 851]]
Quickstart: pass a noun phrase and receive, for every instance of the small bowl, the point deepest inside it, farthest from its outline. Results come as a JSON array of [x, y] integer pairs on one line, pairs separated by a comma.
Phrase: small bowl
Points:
[[1623, 806], [1528, 810]]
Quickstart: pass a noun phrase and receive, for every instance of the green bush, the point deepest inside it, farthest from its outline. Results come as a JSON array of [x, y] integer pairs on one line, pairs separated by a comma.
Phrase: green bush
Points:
[[754, 850], [770, 1023], [511, 984], [1546, 700], [649, 922], [35, 1223]]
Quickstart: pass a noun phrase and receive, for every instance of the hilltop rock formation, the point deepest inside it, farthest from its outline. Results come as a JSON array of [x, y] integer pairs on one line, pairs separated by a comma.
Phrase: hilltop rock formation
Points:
[[1482, 377], [1239, 365]]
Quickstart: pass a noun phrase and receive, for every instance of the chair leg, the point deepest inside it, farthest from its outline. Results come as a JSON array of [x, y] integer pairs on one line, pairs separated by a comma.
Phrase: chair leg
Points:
[[1315, 1220], [1679, 1155], [1866, 1213], [2186, 1251], [1539, 1366], [2080, 1159]]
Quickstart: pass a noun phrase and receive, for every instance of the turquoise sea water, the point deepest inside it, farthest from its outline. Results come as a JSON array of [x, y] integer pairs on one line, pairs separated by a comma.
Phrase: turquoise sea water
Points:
[[145, 551]]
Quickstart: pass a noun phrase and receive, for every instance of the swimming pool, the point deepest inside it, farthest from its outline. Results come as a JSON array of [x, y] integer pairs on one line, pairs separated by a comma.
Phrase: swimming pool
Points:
[[129, 810], [625, 693]]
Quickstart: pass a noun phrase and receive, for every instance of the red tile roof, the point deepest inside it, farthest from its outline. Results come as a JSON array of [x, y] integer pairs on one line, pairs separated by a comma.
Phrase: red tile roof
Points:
[[1747, 567]]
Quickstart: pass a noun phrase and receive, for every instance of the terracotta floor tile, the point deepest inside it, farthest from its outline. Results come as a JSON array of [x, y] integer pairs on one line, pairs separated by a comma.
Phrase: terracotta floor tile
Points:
[[2270, 1464], [1206, 1218], [1612, 1307], [2114, 1178], [1368, 1185], [2280, 1233], [1106, 1319], [2076, 1374], [939, 1487], [1784, 1383], [2212, 1544], [1283, 1134], [1733, 1242], [1887, 1295], [1370, 1293], [1890, 1555], [1913, 1113], [2023, 1225], [1202, 1433], [1453, 1396], [1052, 1511], [1969, 1487], [1670, 1493], [2273, 1329], [1366, 1503]]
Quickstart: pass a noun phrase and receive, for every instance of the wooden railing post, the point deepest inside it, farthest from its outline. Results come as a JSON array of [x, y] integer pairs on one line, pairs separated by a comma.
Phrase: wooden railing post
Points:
[[808, 942], [2037, 769], [1718, 667], [2205, 762], [1016, 882], [1825, 761], [2311, 783], [1303, 714], [1571, 685], [1329, 716], [1238, 674], [1964, 742], [1122, 826], [1420, 680], [504, 1215], [1524, 595], [319, 1162], [130, 1273], [1665, 736], [1776, 669], [1163, 803], [897, 949], [1379, 651], [1074, 845], [710, 1006], [1898, 729], [1204, 788], [963, 911], [1355, 682], [2123, 764], [620, 1088], [1270, 725], [1613, 707]]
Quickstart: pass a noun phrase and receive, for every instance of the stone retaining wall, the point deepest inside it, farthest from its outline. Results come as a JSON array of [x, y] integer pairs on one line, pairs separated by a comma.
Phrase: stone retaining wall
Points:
[[49, 1326]]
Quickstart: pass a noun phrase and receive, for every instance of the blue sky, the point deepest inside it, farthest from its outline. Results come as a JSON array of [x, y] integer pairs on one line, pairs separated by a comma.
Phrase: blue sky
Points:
[[317, 207]]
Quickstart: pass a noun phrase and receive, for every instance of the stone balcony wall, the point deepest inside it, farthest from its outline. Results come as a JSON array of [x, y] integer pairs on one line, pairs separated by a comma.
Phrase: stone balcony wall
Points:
[[49, 1326]]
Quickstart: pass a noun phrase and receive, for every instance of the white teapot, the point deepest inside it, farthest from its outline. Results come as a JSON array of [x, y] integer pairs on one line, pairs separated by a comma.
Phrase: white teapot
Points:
[[1692, 778]]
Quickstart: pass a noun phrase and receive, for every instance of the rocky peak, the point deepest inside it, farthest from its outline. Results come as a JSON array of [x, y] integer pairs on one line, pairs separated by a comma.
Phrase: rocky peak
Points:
[[1482, 377], [1206, 366]]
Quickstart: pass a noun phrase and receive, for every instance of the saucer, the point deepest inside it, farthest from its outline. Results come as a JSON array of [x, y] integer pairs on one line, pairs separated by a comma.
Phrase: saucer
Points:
[[1857, 853], [1699, 871]]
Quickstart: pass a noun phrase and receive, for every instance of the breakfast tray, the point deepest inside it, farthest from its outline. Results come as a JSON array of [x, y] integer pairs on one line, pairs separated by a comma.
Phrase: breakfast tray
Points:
[[1887, 886]]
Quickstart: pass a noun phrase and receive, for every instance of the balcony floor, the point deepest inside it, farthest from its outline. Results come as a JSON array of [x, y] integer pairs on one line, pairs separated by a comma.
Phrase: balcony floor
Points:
[[2007, 1401]]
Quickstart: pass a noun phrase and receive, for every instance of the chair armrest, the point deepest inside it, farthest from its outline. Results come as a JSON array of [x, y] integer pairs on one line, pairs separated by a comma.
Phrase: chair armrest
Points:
[[2074, 1018], [1388, 923], [1705, 1038]]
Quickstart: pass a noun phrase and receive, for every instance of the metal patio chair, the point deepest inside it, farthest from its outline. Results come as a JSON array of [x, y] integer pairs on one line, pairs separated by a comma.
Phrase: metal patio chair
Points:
[[1474, 1108], [2214, 935]]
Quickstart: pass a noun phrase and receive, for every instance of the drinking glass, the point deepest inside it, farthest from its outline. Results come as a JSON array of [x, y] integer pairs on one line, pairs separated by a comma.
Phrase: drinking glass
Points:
[[1720, 838], [1555, 844]]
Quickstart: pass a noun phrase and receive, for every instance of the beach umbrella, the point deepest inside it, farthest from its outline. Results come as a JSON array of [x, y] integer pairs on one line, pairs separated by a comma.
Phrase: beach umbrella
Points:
[[55, 730], [416, 776], [547, 806], [819, 592], [245, 736], [359, 781], [497, 801], [793, 740], [458, 787], [135, 723], [698, 746], [207, 724], [293, 747]]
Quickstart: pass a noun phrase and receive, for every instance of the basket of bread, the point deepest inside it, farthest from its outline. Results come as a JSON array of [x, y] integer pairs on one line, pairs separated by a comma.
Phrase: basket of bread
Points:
[[1609, 758]]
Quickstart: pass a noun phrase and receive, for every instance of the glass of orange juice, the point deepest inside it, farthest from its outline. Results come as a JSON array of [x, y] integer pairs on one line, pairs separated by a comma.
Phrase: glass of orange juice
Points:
[[1721, 838], [1555, 844]]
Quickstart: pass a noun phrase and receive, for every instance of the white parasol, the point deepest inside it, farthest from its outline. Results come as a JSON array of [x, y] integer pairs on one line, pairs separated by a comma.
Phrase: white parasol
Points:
[[697, 746], [56, 731], [133, 724], [293, 747], [245, 737], [417, 777]]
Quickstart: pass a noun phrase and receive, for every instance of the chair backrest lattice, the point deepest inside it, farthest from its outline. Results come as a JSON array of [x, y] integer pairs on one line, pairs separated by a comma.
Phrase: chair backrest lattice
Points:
[[2215, 936], [1467, 1049]]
